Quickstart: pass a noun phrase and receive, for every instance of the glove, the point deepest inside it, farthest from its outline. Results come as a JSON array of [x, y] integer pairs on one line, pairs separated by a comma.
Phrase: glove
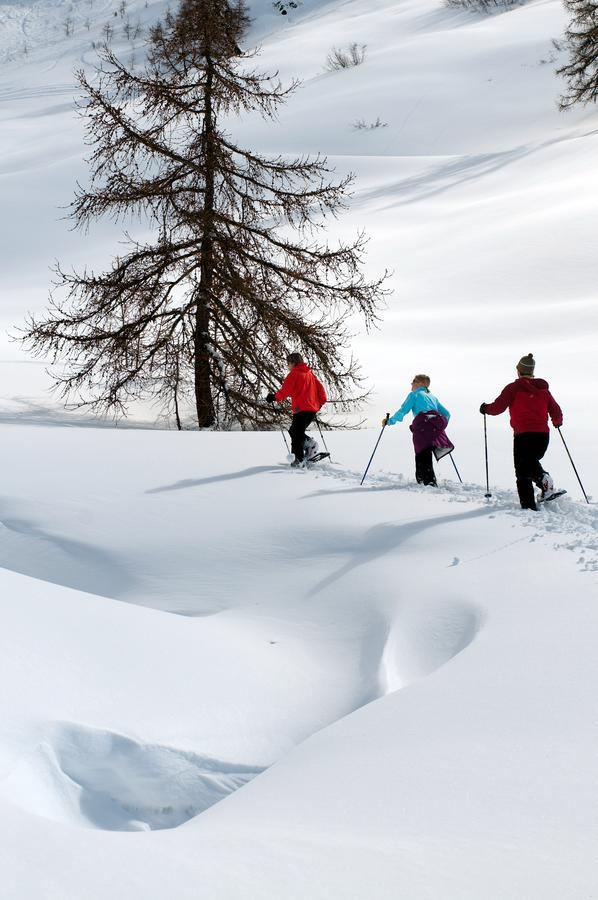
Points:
[[270, 398], [483, 409]]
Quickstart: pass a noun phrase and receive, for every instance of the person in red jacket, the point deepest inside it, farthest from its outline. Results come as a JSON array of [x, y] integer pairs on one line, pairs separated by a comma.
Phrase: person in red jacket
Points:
[[307, 398], [530, 404]]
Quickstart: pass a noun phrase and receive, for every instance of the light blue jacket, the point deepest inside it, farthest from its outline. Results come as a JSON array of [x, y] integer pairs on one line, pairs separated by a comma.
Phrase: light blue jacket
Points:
[[420, 400]]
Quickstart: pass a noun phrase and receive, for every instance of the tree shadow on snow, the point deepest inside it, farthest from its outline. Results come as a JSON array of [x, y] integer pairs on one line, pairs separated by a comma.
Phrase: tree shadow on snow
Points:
[[29, 412], [451, 173], [30, 550], [384, 538]]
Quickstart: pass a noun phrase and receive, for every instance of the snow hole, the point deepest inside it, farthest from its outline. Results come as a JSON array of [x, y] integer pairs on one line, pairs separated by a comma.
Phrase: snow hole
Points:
[[98, 779]]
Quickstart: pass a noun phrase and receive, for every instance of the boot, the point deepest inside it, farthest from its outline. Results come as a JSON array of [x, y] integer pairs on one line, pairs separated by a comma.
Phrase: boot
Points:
[[525, 489]]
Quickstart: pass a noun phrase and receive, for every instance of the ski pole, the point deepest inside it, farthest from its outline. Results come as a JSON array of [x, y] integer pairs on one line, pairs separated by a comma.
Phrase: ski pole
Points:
[[284, 437], [385, 423], [322, 436], [572, 463], [487, 495], [456, 469]]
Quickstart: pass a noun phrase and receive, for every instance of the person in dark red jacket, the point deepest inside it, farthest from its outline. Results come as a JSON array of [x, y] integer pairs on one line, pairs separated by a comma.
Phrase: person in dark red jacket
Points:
[[307, 398], [530, 404]]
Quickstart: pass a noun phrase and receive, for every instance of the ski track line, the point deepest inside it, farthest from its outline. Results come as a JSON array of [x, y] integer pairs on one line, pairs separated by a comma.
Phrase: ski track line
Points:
[[10, 95]]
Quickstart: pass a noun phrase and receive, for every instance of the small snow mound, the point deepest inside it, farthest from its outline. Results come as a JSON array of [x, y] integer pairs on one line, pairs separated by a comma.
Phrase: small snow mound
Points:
[[424, 637], [98, 779]]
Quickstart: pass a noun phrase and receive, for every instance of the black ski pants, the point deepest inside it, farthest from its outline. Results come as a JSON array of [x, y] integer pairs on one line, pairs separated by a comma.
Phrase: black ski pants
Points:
[[528, 450], [424, 467], [301, 421]]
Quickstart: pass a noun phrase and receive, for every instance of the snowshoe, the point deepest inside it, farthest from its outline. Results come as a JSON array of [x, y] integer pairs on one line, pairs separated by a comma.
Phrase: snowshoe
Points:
[[317, 458], [551, 496]]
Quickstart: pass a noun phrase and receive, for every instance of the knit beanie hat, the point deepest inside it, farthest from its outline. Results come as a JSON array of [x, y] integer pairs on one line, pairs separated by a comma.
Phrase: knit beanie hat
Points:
[[526, 365]]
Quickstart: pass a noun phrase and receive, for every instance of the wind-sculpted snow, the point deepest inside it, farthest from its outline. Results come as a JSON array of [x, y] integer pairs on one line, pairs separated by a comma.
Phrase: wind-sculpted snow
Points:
[[425, 635], [400, 680], [28, 548], [97, 779], [354, 665]]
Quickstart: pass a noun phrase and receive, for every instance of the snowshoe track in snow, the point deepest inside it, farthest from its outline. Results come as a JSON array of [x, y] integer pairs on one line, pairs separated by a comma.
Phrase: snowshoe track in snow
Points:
[[573, 523]]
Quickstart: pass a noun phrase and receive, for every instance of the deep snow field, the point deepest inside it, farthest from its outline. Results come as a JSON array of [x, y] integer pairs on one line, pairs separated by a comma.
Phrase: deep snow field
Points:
[[411, 675], [225, 679]]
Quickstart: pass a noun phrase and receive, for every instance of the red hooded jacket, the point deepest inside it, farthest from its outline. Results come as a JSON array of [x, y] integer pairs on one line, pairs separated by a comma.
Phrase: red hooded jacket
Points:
[[530, 403], [306, 392]]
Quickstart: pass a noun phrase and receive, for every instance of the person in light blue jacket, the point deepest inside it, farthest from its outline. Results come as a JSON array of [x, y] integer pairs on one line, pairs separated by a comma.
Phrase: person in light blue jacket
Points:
[[430, 419]]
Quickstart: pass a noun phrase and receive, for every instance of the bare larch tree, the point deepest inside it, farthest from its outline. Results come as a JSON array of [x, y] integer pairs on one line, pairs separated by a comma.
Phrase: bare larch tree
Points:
[[581, 72], [234, 272]]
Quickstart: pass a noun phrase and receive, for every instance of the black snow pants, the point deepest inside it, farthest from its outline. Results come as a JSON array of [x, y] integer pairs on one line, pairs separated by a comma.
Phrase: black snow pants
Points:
[[301, 420], [424, 468], [528, 450]]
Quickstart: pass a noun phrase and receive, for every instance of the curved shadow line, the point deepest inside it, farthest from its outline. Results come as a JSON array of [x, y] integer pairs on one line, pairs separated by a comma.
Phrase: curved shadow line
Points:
[[360, 490], [382, 539], [227, 476], [100, 572], [458, 170]]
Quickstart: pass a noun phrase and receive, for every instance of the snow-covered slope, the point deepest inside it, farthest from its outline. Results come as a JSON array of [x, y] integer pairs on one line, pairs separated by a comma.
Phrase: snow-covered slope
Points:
[[225, 679], [478, 193], [262, 606]]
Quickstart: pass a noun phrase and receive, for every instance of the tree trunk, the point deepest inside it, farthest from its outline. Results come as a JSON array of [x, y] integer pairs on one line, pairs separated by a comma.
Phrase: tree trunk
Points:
[[177, 414], [204, 402]]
